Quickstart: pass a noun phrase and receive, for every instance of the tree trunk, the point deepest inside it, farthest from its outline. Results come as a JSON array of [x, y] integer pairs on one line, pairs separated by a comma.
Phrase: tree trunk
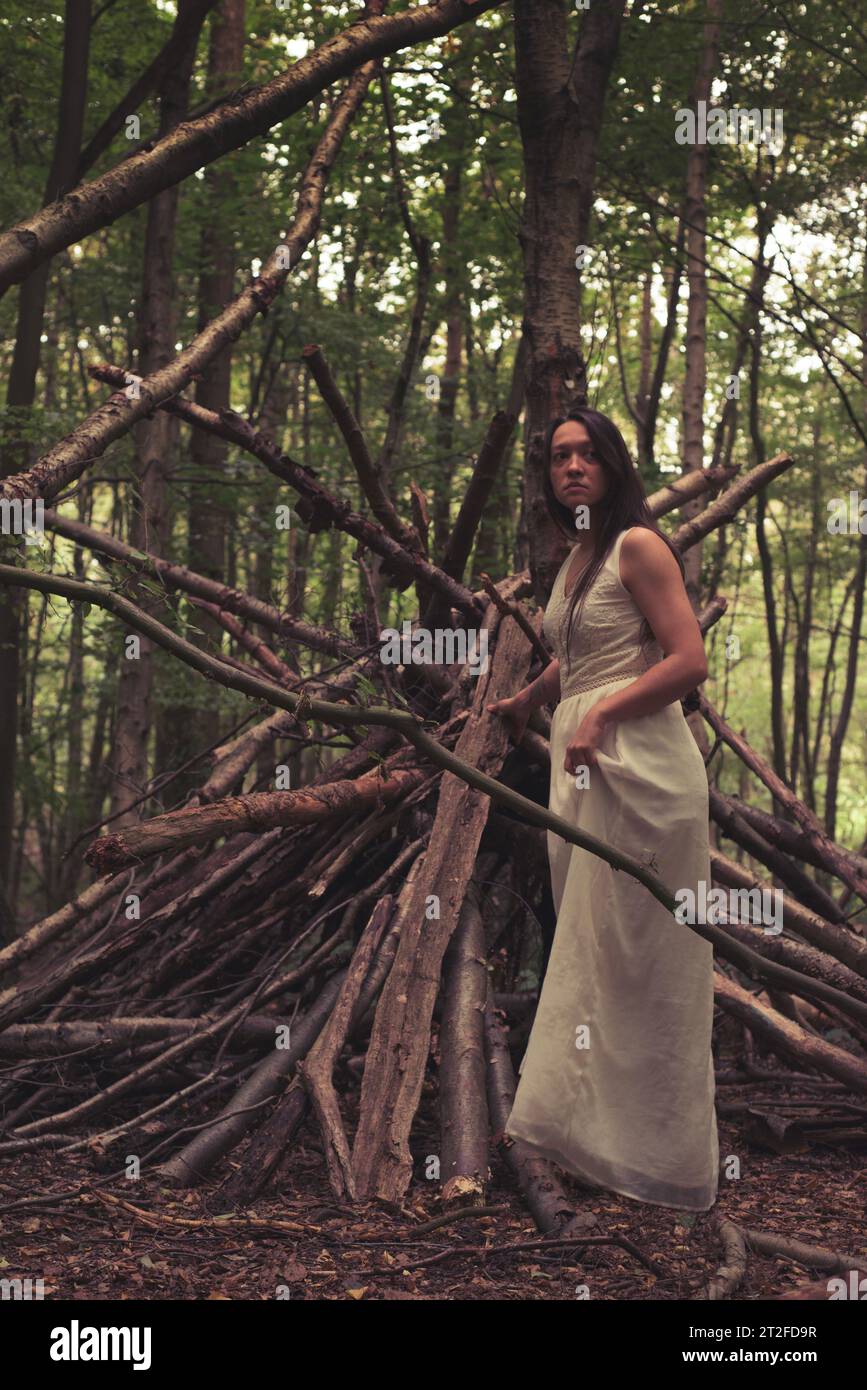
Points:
[[695, 377], [183, 729], [560, 101], [20, 395], [155, 440]]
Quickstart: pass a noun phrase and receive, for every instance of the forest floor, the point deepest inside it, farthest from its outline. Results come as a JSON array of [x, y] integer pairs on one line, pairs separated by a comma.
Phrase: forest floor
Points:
[[85, 1249]]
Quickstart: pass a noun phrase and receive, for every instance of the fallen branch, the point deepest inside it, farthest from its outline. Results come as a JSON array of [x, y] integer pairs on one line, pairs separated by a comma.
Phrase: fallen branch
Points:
[[255, 811], [730, 1274]]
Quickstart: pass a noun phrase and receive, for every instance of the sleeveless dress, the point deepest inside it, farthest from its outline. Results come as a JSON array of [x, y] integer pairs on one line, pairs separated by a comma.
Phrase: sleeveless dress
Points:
[[617, 1082]]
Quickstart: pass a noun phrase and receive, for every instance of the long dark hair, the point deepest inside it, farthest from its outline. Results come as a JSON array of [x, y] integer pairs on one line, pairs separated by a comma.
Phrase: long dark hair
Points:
[[624, 504]]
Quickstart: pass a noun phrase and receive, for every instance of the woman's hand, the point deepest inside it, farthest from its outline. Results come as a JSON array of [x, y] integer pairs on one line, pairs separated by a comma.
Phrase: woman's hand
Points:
[[514, 712], [582, 746]]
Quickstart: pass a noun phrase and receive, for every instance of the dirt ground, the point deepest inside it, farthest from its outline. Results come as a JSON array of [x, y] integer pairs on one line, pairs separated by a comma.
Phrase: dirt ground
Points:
[[86, 1246]]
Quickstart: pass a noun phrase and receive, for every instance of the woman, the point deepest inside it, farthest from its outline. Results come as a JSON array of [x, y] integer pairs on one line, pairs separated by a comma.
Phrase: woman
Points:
[[617, 1083]]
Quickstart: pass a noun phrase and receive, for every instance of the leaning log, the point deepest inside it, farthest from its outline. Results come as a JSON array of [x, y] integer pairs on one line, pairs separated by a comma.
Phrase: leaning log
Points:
[[463, 1104], [400, 1040]]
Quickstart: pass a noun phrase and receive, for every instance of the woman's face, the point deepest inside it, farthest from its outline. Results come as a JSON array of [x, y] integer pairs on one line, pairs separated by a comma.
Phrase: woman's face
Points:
[[578, 477]]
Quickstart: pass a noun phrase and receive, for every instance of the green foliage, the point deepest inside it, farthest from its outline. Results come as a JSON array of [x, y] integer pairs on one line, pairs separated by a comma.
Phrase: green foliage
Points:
[[353, 293]]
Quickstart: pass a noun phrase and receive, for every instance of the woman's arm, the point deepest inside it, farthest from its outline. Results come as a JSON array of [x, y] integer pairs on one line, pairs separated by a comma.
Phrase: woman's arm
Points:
[[545, 689], [516, 709], [652, 576]]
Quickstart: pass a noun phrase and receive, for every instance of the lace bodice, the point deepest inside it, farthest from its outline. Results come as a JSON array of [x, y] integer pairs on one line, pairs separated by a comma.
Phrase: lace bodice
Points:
[[605, 642]]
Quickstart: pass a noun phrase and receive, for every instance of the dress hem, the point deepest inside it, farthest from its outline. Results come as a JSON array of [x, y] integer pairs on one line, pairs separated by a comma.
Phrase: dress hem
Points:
[[619, 1187]]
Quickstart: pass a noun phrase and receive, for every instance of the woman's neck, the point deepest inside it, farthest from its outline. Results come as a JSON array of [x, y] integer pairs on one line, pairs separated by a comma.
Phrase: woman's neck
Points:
[[588, 536]]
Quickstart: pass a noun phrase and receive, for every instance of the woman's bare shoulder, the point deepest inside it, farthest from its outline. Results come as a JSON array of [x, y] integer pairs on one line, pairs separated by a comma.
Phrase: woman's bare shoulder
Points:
[[641, 544], [645, 553]]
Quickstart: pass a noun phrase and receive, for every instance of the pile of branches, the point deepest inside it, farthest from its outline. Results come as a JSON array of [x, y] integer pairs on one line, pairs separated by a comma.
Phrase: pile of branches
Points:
[[395, 896], [243, 959]]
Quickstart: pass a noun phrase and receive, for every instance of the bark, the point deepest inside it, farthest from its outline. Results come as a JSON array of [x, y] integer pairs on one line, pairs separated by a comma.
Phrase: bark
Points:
[[786, 836], [182, 727], [689, 485], [317, 1067], [729, 1275], [560, 102], [257, 811], [155, 440], [399, 1042], [463, 1104], [117, 1034], [725, 507]]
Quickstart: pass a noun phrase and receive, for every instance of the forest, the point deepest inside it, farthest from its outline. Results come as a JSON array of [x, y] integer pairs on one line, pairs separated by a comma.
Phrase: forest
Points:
[[290, 294]]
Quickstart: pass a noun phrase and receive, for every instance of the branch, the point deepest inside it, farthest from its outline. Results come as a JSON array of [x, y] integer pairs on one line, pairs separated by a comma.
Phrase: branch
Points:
[[842, 866], [406, 724], [256, 811], [238, 119], [690, 485], [89, 440], [318, 508], [479, 490], [188, 21], [369, 474], [725, 507], [258, 649], [198, 586]]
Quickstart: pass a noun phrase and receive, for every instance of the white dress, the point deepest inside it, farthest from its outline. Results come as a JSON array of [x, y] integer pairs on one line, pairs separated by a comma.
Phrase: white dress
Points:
[[617, 1082]]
